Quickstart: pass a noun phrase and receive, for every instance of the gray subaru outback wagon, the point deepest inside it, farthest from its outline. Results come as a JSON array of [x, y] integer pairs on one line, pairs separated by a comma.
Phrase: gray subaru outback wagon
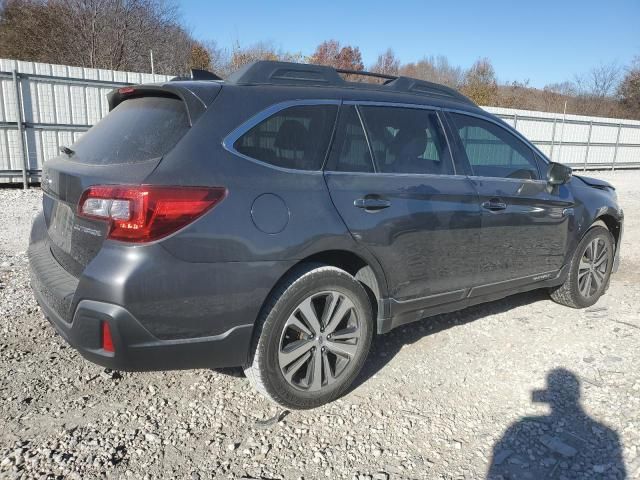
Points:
[[279, 219]]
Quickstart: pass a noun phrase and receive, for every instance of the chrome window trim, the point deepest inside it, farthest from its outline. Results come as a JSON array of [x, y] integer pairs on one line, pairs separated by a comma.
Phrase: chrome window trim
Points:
[[519, 180], [378, 103], [229, 141], [393, 174]]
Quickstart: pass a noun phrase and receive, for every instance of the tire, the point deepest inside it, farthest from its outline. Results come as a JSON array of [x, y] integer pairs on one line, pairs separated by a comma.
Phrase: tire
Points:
[[337, 305], [572, 292]]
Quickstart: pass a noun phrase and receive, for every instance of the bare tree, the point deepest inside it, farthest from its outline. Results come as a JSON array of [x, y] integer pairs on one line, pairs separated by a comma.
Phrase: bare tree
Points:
[[601, 81], [435, 69], [113, 34], [387, 63], [629, 89], [241, 56]]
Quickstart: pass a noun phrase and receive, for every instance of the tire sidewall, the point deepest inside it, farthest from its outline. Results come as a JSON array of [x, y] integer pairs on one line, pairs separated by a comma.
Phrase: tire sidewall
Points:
[[594, 232], [315, 281]]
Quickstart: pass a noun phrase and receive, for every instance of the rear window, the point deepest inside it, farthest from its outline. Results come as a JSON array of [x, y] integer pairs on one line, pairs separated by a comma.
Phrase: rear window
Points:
[[296, 137], [138, 129]]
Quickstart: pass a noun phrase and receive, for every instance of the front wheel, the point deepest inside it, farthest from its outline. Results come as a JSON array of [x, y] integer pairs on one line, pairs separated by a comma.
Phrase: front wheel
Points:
[[312, 339], [589, 272]]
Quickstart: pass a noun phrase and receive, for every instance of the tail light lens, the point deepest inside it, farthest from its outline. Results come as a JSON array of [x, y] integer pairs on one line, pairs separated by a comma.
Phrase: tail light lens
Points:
[[145, 213]]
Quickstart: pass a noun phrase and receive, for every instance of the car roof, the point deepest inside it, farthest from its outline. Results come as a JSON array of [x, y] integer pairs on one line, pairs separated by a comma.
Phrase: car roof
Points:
[[305, 81]]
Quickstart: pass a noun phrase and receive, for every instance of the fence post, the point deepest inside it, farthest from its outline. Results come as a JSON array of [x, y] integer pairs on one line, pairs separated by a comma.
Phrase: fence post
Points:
[[515, 120], [615, 152], [21, 142], [553, 137], [586, 154]]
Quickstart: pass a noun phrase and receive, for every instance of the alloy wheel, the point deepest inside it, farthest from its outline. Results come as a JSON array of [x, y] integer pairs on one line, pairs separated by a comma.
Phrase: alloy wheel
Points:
[[319, 340], [592, 270]]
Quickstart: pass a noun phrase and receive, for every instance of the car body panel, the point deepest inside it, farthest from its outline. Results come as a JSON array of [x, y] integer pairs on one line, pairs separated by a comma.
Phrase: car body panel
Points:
[[426, 240]]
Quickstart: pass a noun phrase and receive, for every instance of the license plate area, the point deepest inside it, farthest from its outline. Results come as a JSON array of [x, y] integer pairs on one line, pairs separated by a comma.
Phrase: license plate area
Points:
[[61, 226], [74, 240]]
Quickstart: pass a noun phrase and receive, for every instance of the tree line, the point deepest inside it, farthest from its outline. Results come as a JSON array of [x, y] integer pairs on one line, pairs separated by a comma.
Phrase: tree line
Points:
[[119, 35]]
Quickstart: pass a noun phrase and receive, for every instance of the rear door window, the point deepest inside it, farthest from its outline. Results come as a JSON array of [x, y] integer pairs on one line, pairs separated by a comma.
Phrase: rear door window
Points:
[[494, 152], [136, 130], [407, 140], [296, 137]]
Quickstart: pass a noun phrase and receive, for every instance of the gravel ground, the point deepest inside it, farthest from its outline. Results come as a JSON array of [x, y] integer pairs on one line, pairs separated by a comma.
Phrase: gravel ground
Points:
[[518, 388]]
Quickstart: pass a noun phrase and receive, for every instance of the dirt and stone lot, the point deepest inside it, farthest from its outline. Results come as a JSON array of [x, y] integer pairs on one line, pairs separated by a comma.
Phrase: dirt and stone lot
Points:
[[518, 388]]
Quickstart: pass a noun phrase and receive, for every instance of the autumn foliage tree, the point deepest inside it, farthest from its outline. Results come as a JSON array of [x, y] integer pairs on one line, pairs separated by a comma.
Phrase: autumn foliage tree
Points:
[[200, 57], [119, 34], [332, 54], [480, 82]]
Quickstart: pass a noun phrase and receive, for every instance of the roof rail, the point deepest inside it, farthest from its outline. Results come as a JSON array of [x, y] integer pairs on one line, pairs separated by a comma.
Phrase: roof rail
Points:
[[413, 85], [267, 72], [366, 74]]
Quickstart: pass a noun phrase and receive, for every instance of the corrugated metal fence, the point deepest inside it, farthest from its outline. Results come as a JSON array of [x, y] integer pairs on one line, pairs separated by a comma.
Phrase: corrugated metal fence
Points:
[[43, 107], [580, 141]]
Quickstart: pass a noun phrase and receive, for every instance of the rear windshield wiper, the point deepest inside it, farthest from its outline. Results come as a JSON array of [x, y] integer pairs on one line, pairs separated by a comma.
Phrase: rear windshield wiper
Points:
[[67, 151]]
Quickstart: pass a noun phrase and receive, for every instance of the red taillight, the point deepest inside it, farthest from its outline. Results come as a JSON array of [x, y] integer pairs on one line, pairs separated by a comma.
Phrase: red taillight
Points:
[[145, 213], [126, 90], [107, 341]]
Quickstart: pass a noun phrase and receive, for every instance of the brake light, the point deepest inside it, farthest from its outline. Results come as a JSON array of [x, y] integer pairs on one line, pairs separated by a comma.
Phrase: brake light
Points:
[[145, 213], [107, 341], [126, 90]]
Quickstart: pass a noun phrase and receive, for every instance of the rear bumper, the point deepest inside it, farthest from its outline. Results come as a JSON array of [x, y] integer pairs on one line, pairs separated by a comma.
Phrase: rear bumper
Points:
[[137, 349], [77, 306]]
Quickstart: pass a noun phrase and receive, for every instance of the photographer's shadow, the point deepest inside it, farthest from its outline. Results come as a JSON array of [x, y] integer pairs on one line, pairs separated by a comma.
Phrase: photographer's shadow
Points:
[[566, 444]]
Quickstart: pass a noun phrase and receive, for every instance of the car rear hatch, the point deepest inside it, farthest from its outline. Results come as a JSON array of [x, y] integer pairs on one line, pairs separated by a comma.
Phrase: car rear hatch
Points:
[[124, 148]]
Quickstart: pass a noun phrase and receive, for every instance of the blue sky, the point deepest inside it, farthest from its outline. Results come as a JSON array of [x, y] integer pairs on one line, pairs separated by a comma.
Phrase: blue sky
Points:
[[543, 41]]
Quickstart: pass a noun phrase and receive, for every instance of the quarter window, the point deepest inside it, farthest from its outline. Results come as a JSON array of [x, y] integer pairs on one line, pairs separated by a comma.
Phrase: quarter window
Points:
[[296, 137], [494, 152], [407, 140]]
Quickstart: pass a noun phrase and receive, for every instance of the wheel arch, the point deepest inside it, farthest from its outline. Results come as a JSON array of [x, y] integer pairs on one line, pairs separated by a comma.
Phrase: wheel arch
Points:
[[611, 223], [367, 272]]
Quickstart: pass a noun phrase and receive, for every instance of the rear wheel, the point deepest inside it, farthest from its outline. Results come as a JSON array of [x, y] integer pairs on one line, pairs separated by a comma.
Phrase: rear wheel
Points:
[[589, 272], [312, 339]]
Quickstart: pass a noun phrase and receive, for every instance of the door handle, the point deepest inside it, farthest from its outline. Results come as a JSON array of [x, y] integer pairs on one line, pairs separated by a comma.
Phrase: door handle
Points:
[[494, 205], [372, 204]]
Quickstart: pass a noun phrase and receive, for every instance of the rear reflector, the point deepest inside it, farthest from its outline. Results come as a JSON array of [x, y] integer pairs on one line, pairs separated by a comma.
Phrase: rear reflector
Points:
[[145, 213], [107, 341]]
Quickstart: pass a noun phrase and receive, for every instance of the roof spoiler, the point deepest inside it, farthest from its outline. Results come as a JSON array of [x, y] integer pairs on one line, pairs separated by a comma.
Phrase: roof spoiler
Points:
[[194, 95]]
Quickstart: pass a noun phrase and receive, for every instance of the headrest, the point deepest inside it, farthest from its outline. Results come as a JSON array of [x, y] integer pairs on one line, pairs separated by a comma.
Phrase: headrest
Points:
[[292, 135]]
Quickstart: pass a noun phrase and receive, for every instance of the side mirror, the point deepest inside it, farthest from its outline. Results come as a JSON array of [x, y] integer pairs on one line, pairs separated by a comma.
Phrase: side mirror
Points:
[[558, 174]]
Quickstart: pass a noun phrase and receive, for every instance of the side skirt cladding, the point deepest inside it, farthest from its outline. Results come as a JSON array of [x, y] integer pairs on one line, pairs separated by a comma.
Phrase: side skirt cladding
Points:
[[408, 311]]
